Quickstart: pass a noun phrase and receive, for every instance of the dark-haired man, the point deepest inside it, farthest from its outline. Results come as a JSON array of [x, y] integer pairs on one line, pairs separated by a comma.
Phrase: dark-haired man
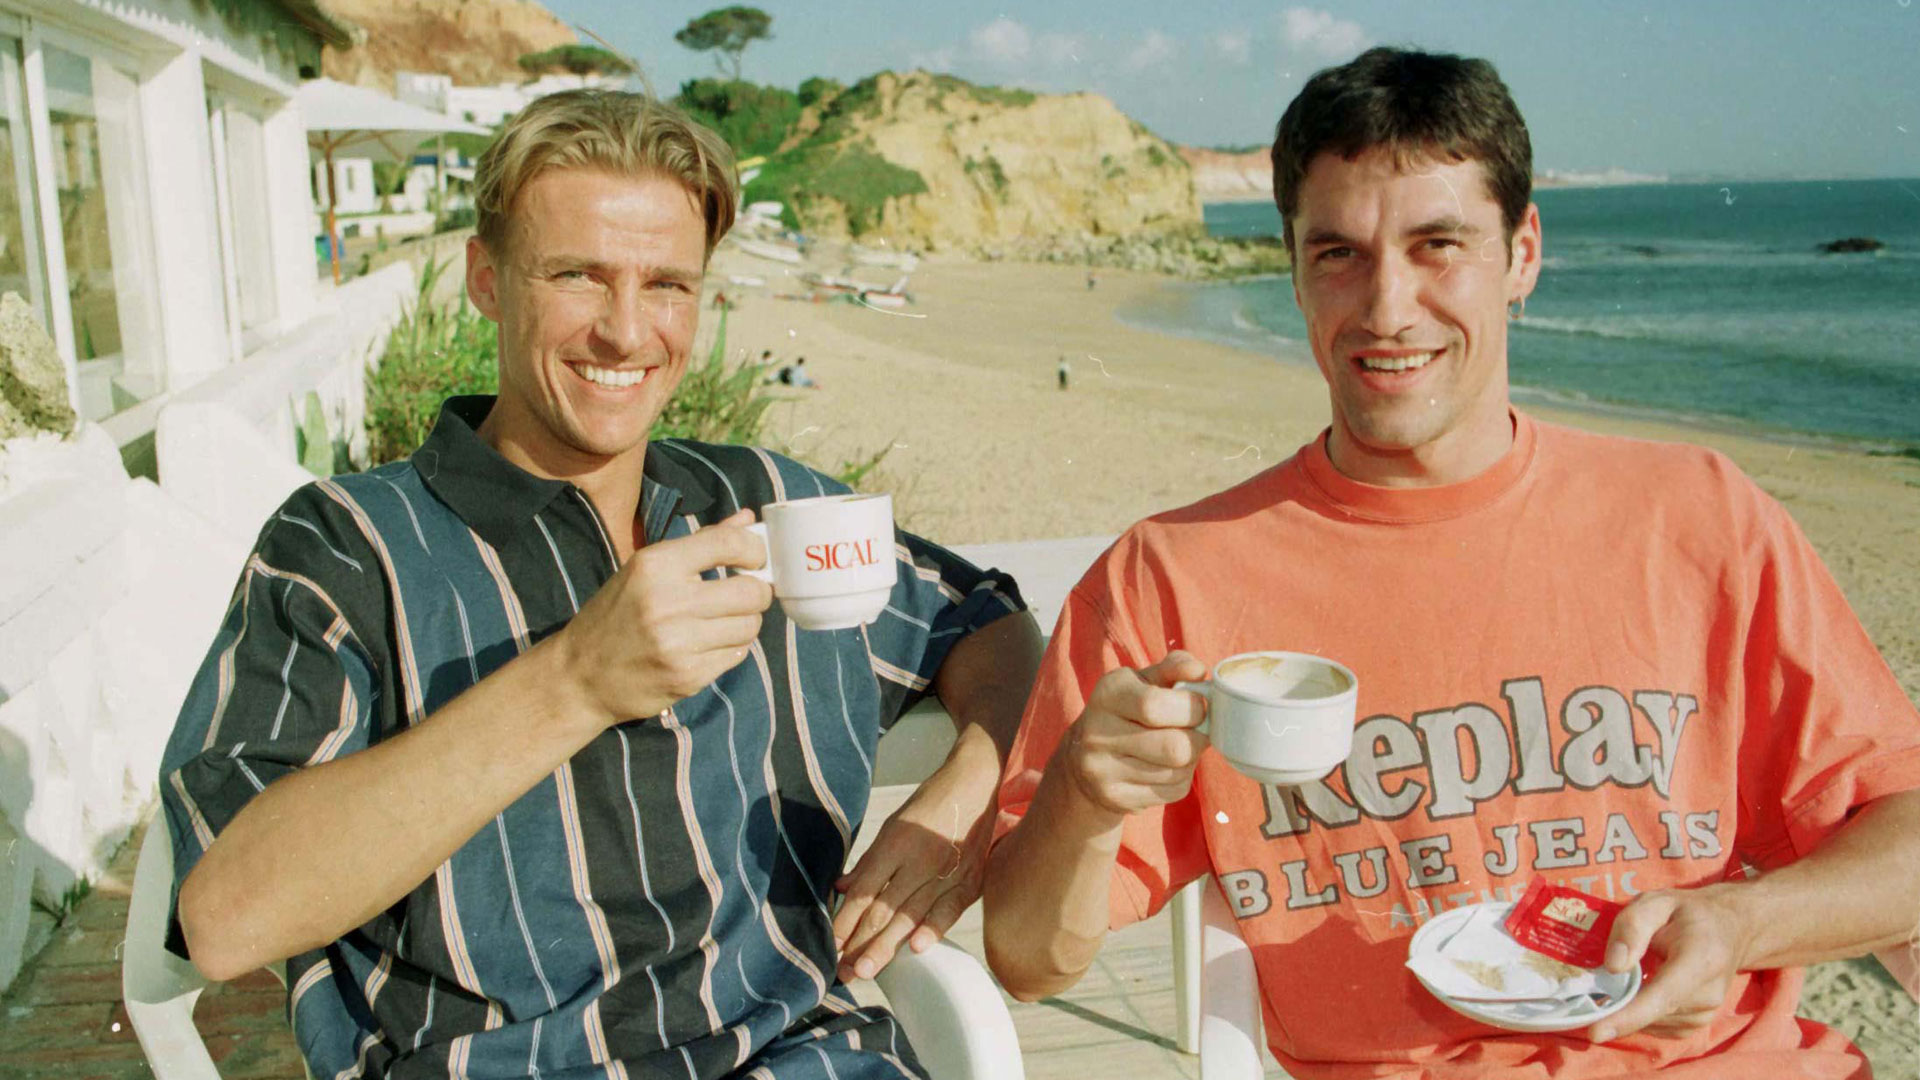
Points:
[[1609, 663]]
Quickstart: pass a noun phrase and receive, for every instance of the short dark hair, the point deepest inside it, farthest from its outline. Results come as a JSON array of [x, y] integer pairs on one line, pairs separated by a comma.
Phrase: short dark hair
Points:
[[1414, 104]]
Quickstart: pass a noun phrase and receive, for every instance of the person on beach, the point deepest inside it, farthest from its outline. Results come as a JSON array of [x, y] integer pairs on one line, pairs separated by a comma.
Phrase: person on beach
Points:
[[1063, 373], [795, 374], [1612, 664], [494, 752]]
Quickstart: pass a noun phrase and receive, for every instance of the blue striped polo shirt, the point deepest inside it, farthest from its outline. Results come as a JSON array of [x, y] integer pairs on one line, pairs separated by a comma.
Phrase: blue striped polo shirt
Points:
[[657, 907]]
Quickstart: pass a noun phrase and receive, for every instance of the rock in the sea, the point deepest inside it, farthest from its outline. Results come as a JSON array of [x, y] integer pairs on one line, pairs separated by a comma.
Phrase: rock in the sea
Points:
[[33, 381], [1852, 244]]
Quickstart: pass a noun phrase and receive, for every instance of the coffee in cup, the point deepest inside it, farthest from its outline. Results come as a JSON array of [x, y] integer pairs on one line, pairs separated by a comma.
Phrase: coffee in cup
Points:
[[1280, 717], [830, 558]]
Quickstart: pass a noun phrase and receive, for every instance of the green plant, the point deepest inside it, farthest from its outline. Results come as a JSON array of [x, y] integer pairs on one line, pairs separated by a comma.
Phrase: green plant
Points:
[[435, 351], [460, 217], [753, 119], [312, 444], [853, 175], [576, 59], [991, 166], [69, 900], [819, 88], [985, 95], [468, 146], [853, 472], [716, 401], [438, 350], [390, 177], [726, 32]]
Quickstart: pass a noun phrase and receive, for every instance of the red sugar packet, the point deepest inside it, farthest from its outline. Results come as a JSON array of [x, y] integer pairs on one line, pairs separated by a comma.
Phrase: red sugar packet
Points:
[[1563, 923]]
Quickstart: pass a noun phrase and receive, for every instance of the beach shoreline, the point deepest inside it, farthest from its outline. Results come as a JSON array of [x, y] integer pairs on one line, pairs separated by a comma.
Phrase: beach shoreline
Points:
[[959, 389]]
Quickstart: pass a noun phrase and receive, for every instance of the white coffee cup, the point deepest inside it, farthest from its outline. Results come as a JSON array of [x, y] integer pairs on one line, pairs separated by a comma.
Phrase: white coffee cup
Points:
[[830, 558], [1280, 717]]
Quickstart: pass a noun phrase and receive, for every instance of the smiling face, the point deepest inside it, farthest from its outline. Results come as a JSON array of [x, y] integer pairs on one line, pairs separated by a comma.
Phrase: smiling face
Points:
[[597, 296], [1404, 274]]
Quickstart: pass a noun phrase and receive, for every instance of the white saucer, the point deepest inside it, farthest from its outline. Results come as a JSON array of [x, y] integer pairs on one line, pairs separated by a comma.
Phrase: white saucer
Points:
[[1511, 1015]]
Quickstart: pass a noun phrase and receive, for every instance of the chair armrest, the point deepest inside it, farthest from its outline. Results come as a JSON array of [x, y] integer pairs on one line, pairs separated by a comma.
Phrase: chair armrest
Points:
[[159, 987], [1229, 995], [953, 1014]]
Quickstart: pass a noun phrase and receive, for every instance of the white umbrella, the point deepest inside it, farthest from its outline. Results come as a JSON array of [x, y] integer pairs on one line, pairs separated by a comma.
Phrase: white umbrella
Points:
[[371, 124]]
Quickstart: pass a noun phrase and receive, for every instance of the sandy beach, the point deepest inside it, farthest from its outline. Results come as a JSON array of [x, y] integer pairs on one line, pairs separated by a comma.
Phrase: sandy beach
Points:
[[960, 385], [983, 446]]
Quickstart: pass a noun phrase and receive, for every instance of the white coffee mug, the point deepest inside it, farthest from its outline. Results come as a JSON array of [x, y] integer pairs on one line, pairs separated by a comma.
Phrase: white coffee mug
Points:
[[830, 558], [1280, 717]]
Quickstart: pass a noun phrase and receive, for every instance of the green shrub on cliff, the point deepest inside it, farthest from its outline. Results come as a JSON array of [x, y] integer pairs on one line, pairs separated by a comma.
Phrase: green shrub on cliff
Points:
[[848, 173], [991, 166], [984, 95], [753, 119], [818, 89]]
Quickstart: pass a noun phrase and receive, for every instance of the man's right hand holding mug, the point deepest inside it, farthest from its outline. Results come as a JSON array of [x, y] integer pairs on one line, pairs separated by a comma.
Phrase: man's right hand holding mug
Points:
[[659, 631], [1136, 744]]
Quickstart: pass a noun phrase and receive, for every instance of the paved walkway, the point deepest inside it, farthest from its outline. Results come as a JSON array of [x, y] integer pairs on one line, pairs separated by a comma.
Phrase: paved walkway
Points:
[[63, 1019]]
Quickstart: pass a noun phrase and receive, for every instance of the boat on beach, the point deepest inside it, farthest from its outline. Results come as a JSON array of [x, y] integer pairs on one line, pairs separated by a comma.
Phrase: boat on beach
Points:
[[767, 249]]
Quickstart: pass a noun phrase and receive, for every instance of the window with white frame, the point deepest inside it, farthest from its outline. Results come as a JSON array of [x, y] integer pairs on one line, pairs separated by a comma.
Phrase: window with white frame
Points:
[[101, 202], [21, 271], [240, 188], [75, 237]]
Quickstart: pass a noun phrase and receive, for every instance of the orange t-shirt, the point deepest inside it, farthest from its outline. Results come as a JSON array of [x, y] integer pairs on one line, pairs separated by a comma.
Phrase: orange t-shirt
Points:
[[1614, 664]]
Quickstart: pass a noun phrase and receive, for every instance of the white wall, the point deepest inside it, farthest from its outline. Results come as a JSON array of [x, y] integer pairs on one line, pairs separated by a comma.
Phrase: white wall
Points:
[[192, 306], [290, 214], [114, 587], [353, 186], [169, 278]]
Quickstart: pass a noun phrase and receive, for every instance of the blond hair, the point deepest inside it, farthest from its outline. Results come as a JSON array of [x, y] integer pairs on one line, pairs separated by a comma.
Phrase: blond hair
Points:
[[623, 133]]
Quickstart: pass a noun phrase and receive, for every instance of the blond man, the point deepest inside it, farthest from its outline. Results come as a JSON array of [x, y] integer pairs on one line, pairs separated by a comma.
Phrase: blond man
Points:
[[498, 758]]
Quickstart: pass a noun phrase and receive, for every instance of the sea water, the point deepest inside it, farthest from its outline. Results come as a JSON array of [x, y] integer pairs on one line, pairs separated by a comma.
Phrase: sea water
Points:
[[1702, 301]]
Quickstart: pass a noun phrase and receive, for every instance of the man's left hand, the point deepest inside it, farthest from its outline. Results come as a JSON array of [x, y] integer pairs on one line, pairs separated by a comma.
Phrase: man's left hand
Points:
[[924, 869], [1696, 936]]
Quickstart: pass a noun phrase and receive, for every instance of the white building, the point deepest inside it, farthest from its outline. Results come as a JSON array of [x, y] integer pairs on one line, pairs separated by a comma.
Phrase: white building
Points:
[[487, 105], [156, 214], [353, 186]]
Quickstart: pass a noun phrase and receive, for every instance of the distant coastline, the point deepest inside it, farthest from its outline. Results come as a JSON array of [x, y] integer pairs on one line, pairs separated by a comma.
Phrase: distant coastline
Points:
[[1550, 179], [1714, 303]]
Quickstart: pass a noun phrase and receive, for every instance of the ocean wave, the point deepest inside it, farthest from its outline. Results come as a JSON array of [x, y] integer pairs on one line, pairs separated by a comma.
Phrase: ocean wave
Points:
[[1618, 328]]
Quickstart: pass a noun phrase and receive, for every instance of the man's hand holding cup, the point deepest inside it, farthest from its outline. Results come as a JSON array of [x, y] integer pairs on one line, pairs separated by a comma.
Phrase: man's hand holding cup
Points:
[[1135, 745], [658, 631], [1277, 717]]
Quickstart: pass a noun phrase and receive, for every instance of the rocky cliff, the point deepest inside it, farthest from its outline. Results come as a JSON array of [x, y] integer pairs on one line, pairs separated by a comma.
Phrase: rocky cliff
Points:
[[931, 162], [1225, 176], [478, 42]]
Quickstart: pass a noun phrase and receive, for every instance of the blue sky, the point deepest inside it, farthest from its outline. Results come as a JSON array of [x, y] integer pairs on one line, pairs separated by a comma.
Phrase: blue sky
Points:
[[1768, 88]]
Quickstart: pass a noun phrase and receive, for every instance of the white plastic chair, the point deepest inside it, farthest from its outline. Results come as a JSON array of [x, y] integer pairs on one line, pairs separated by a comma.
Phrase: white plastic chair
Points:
[[159, 987], [946, 1002], [1228, 991]]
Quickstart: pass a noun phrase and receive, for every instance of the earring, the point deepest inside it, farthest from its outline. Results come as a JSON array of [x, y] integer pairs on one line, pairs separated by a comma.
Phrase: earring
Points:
[[1517, 310]]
